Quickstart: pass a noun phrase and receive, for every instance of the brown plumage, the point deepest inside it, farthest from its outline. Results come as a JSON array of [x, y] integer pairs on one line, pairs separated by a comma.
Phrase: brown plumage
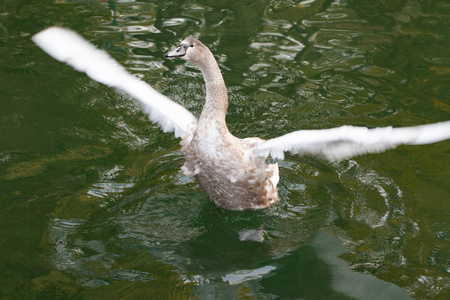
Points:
[[225, 167]]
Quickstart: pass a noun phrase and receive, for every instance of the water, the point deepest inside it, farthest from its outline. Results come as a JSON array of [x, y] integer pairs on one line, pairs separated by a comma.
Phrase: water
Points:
[[94, 204]]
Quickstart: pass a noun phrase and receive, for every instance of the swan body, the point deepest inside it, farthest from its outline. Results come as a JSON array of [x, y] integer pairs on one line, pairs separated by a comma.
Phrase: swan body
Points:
[[232, 171], [226, 167]]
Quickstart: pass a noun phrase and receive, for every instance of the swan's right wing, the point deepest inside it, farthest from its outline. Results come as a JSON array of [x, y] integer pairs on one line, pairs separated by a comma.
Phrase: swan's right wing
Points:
[[67, 46], [348, 141]]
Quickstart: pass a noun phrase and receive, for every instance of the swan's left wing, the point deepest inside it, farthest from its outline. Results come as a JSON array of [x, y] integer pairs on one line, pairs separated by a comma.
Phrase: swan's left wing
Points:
[[67, 46], [347, 141]]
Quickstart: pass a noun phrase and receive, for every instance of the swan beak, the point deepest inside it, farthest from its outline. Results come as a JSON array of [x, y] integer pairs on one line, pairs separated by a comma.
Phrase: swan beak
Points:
[[179, 52]]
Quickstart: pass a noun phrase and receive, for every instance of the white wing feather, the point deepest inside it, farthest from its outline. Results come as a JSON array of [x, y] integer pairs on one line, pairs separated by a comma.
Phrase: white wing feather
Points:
[[67, 46], [347, 141]]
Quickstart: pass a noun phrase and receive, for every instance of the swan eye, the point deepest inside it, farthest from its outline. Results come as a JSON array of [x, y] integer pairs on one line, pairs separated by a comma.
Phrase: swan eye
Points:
[[192, 45]]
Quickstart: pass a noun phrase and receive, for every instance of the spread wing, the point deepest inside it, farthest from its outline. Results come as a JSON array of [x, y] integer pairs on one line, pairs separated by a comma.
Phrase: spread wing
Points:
[[67, 46], [347, 141]]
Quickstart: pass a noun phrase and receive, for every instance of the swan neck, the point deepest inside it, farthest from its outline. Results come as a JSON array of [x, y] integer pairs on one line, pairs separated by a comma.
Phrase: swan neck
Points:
[[216, 104]]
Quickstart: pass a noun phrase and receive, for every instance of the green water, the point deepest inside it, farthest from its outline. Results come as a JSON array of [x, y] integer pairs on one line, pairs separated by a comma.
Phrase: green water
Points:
[[94, 204]]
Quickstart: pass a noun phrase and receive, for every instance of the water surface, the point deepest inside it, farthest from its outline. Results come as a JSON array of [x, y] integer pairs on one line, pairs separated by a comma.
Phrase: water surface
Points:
[[94, 204]]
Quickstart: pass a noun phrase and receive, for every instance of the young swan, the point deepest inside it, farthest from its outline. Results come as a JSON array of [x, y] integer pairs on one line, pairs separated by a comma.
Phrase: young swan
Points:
[[226, 167], [232, 171]]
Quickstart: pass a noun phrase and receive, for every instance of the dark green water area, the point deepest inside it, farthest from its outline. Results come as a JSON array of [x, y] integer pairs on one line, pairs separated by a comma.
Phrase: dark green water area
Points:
[[94, 204]]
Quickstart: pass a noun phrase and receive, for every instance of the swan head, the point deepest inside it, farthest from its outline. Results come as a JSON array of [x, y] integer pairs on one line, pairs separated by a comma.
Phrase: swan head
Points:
[[189, 49]]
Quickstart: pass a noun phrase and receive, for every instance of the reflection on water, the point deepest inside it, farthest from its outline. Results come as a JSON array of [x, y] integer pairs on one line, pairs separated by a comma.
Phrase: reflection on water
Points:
[[95, 203], [353, 284], [243, 276]]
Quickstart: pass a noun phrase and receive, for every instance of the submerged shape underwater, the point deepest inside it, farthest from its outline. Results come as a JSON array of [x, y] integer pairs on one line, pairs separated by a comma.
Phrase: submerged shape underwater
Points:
[[98, 201]]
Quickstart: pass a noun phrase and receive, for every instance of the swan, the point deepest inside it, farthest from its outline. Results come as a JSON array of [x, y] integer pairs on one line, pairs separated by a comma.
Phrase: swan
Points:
[[232, 171]]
